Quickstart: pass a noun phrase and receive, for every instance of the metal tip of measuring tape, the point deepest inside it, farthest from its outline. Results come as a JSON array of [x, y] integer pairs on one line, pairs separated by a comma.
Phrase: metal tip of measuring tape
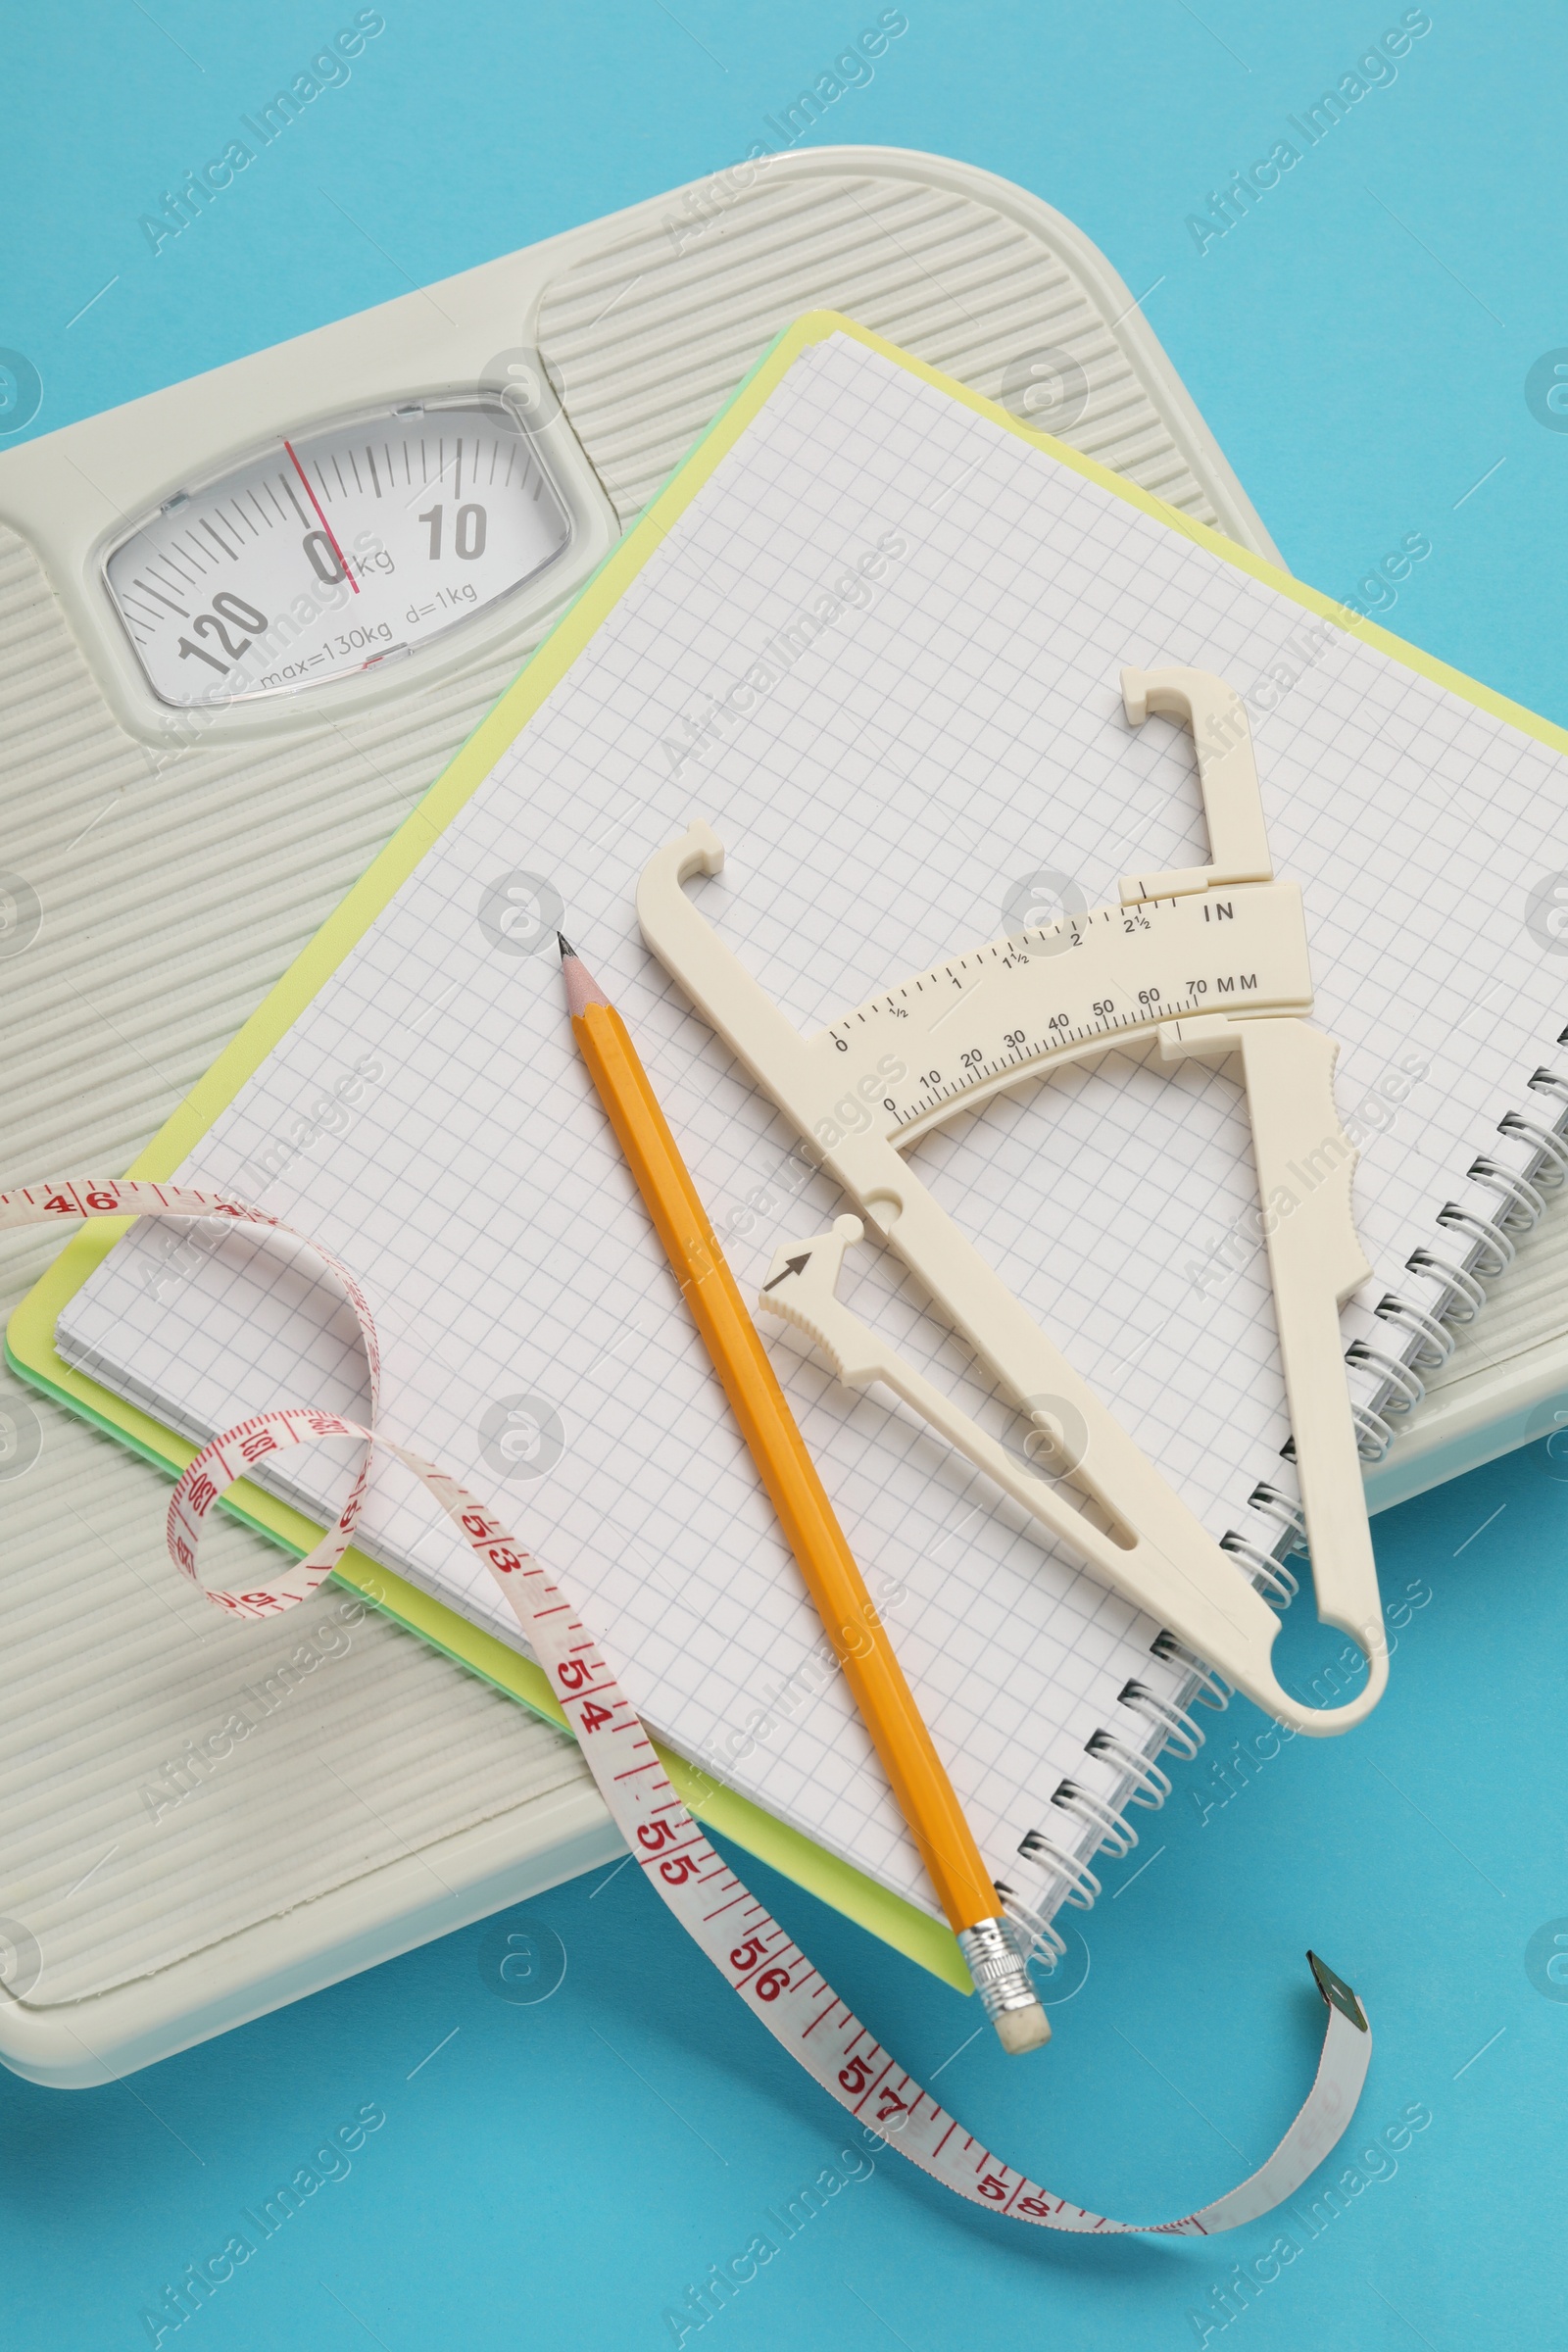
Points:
[[1337, 1993]]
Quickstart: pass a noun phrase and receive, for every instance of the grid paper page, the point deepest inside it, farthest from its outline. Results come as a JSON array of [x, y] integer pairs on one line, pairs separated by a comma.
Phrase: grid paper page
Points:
[[947, 735]]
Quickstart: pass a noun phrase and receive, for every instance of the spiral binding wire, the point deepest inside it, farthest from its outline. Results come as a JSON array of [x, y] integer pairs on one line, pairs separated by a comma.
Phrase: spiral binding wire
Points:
[[1492, 1249], [1402, 1380], [1272, 1502], [1553, 1170], [1117, 1836], [1467, 1293], [1271, 1576], [1547, 1082], [1033, 1935], [1435, 1343], [1489, 1245], [1212, 1689], [1485, 1248], [1114, 1834], [1522, 1202], [1151, 1787], [1081, 1886]]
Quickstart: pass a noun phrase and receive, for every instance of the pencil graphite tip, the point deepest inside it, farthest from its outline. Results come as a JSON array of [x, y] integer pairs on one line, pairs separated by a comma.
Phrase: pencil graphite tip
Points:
[[582, 989]]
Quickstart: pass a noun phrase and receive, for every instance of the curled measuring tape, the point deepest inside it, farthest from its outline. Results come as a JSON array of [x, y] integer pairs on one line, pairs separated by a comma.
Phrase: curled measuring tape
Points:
[[747, 1947]]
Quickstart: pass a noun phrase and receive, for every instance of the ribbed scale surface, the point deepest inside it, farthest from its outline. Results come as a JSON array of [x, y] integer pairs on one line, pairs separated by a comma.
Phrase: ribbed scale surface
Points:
[[647, 341], [171, 902], [380, 1749]]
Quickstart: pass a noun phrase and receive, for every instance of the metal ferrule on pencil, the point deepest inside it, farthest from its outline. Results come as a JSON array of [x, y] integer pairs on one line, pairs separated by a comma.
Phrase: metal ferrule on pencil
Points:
[[1001, 1981]]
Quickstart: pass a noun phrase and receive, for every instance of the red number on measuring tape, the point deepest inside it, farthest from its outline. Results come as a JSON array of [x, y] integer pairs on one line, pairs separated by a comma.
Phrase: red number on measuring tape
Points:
[[593, 1715], [655, 1834], [573, 1673], [677, 1870], [745, 1956], [994, 2188], [771, 1983], [857, 2075]]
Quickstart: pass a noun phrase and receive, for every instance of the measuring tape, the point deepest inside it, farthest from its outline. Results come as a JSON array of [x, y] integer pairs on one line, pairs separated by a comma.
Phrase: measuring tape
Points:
[[746, 1946]]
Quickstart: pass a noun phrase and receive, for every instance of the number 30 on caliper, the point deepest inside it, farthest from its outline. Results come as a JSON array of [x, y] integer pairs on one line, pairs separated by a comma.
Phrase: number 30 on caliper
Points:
[[1210, 960]]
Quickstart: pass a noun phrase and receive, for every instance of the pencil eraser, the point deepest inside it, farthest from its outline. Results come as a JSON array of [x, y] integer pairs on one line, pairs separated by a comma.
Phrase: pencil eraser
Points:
[[1020, 2030]]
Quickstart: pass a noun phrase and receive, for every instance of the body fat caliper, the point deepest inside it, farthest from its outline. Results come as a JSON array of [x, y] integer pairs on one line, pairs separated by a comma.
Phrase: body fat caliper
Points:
[[1207, 960]]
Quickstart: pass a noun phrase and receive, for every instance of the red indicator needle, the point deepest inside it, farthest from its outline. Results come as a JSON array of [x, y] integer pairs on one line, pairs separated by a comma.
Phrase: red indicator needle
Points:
[[322, 519]]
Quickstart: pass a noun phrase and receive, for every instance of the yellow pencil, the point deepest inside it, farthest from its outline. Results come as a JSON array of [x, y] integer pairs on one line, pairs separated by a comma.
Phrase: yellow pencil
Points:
[[860, 1643]]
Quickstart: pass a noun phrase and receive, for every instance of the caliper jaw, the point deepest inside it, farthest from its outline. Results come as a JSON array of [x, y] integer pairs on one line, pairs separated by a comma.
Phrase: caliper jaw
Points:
[[1205, 1598], [1304, 1165]]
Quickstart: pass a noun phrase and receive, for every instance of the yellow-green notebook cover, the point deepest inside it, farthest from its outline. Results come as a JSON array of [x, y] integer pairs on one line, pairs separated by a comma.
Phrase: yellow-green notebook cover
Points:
[[29, 1338]]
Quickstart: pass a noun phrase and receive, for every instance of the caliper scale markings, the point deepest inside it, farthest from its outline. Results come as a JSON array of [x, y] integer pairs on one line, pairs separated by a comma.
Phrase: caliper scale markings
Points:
[[987, 1019]]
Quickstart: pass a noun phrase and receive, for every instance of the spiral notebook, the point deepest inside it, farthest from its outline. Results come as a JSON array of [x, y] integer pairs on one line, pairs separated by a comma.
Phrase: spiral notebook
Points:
[[900, 755]]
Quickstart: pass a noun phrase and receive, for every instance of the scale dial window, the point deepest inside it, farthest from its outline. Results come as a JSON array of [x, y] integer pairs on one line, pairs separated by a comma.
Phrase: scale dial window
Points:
[[327, 553]]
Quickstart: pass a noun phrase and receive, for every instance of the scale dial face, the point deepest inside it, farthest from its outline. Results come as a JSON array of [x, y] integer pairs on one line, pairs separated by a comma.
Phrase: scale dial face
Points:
[[329, 552]]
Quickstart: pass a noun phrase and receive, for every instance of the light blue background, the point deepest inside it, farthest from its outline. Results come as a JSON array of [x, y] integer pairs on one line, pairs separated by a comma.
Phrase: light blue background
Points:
[[558, 2175]]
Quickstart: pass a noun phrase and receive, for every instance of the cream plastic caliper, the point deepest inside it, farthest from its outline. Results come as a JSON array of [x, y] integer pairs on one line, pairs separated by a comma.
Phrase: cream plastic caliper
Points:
[[1210, 961]]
